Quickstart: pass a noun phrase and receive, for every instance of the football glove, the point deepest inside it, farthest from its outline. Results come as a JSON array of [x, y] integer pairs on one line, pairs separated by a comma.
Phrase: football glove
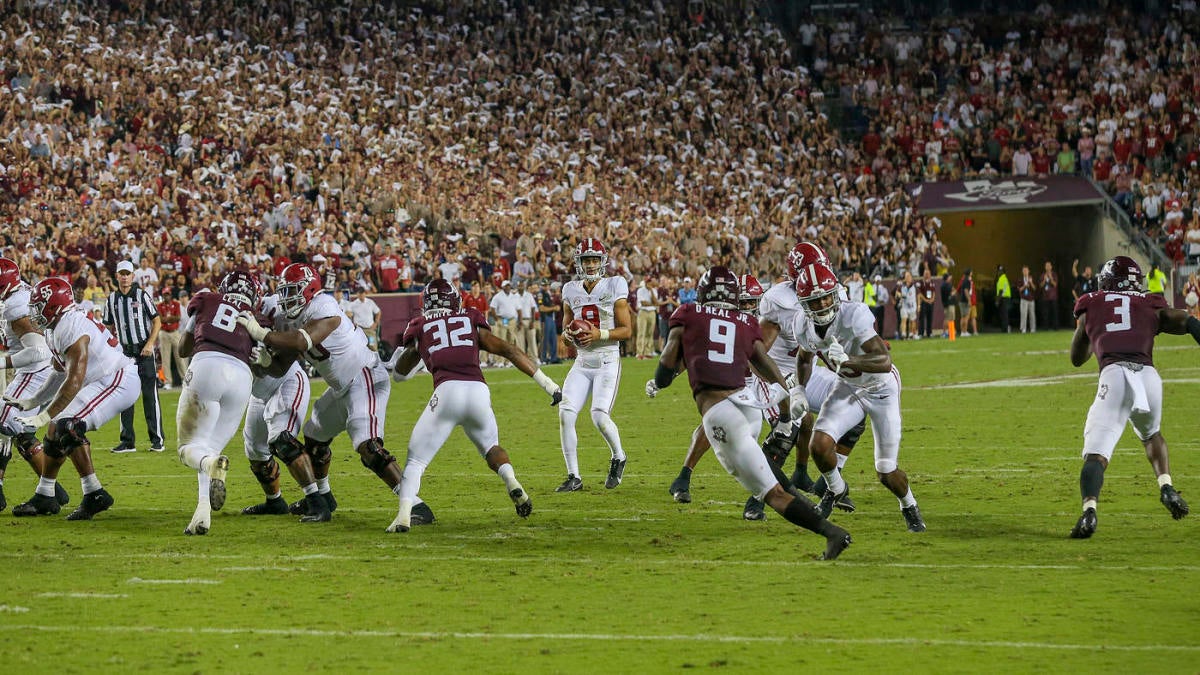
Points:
[[260, 355], [836, 356], [36, 421], [791, 381], [252, 326], [799, 403], [20, 403], [651, 388]]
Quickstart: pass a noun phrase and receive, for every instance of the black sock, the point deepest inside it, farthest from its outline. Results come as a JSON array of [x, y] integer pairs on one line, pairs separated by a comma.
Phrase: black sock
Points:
[[802, 467], [802, 512], [1091, 478], [685, 473], [784, 481]]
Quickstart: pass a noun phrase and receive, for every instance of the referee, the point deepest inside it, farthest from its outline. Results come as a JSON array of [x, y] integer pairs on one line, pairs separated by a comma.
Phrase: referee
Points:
[[133, 318]]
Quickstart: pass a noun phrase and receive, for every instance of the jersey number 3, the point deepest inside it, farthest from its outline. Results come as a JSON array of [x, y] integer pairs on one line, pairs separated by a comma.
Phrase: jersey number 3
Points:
[[1120, 313], [452, 332]]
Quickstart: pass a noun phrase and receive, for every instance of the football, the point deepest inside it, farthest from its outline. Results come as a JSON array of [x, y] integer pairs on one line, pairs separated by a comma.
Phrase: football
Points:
[[577, 327]]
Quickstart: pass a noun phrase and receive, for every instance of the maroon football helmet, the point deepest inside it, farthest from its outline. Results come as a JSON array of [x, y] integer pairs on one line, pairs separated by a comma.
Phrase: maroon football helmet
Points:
[[241, 287], [817, 290], [750, 294], [1122, 273], [591, 259], [440, 296], [718, 286], [10, 277], [50, 300], [299, 285], [804, 254]]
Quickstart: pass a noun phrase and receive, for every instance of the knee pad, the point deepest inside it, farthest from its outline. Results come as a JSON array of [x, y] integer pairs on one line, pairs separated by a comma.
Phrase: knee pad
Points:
[[374, 456], [27, 445], [850, 438], [319, 452], [883, 467], [599, 417], [266, 472], [286, 447], [68, 435]]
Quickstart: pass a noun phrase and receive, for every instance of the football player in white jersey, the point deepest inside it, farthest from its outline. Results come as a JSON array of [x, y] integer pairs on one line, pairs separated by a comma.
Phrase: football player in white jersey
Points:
[[602, 302], [99, 382], [278, 406], [843, 335], [28, 355], [356, 400]]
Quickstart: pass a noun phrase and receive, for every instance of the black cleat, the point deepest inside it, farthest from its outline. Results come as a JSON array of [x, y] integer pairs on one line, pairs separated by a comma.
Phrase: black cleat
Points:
[[1086, 526], [825, 506], [330, 500], [317, 510], [1174, 503], [277, 506], [836, 541], [299, 507], [912, 518], [804, 483], [91, 504], [573, 483], [3, 499], [421, 515], [616, 469], [60, 495], [845, 504], [753, 510], [681, 490], [38, 505], [520, 499]]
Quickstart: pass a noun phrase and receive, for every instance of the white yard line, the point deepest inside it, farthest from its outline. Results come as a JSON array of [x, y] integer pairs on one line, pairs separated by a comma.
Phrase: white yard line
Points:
[[84, 596], [168, 582]]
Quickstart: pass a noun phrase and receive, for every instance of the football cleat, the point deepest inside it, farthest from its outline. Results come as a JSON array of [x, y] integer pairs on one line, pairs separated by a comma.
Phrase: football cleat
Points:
[[522, 501], [1174, 503], [422, 514], [277, 506], [298, 507], [217, 471], [912, 517], [92, 503], [60, 495], [616, 469], [681, 490], [403, 520], [201, 522], [573, 483], [38, 505], [753, 510], [330, 501], [825, 506], [845, 504], [318, 509], [836, 541], [1086, 526], [3, 500]]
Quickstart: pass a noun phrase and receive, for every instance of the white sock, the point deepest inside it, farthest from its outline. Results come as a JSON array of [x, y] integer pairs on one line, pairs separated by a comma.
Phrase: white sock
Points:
[[89, 482], [908, 500], [45, 486], [841, 460], [204, 481], [570, 442], [396, 490], [509, 477], [1164, 479], [833, 479], [193, 456], [310, 489], [411, 484], [608, 429], [277, 495], [323, 485]]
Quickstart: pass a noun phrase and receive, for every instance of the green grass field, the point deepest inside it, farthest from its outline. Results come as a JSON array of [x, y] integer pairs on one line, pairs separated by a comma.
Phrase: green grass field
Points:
[[628, 581]]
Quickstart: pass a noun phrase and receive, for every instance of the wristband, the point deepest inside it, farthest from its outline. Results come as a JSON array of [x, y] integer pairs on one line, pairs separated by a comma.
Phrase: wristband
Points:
[[603, 333], [307, 339], [543, 380]]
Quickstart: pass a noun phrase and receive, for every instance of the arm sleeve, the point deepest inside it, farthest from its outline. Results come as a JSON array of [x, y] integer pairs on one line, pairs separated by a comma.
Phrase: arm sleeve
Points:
[[50, 388], [34, 349]]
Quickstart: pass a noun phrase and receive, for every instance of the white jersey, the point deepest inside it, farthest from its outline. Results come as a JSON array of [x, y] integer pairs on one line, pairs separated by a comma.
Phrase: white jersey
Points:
[[265, 386], [341, 356], [598, 307], [104, 352], [780, 306], [16, 307], [853, 325]]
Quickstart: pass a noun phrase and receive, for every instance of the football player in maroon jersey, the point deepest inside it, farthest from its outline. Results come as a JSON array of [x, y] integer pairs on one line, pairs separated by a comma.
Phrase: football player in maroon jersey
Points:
[[447, 339], [717, 344], [1118, 324]]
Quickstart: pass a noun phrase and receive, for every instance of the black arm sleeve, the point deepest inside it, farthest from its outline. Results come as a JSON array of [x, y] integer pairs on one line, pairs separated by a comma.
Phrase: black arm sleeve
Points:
[[663, 376]]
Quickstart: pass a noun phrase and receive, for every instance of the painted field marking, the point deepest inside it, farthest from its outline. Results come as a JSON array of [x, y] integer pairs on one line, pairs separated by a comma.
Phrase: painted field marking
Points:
[[13, 609], [78, 595], [611, 637], [206, 582], [262, 569]]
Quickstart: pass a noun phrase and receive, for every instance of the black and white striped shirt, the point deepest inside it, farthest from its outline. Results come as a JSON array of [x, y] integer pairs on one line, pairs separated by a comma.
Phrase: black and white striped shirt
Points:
[[131, 316]]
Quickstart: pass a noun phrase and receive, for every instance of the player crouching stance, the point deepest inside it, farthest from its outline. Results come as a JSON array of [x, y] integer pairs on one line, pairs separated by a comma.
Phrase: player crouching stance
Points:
[[717, 343], [100, 382], [1118, 322], [216, 388], [448, 339]]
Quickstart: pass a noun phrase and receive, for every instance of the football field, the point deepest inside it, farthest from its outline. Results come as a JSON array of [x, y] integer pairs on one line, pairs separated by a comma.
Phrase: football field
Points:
[[628, 581]]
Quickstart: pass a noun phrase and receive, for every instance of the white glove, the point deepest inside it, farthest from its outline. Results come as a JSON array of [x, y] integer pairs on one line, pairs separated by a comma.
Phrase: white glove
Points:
[[20, 403], [260, 355], [836, 356], [651, 388], [799, 407], [252, 326], [37, 421], [791, 381]]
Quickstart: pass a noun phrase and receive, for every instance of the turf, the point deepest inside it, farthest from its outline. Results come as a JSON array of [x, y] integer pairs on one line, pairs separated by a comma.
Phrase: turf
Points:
[[627, 580]]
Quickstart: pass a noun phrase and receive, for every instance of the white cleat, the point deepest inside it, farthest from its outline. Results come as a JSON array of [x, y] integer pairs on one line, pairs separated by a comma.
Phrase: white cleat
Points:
[[217, 470], [403, 521], [201, 521]]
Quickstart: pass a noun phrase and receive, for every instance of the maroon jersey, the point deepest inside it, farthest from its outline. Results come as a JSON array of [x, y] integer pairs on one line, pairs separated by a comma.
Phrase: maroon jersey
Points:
[[717, 345], [448, 343], [1120, 324], [216, 328]]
